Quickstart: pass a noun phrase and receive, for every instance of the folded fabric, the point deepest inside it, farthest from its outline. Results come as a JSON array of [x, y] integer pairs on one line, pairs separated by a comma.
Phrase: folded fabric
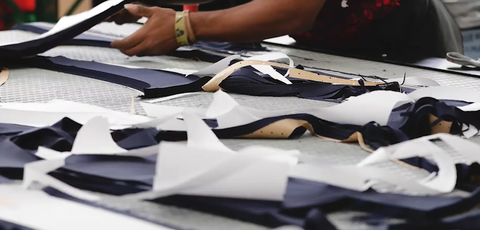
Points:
[[66, 29]]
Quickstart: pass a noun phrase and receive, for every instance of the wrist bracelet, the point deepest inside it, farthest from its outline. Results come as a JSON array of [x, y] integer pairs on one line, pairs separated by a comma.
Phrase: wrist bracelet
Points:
[[190, 33], [180, 29]]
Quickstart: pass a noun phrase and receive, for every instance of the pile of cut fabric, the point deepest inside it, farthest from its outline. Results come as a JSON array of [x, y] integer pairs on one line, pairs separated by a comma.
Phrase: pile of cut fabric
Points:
[[69, 156]]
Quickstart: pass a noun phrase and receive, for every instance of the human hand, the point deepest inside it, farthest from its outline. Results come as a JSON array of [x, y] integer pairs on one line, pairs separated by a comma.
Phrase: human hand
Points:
[[156, 37], [124, 16]]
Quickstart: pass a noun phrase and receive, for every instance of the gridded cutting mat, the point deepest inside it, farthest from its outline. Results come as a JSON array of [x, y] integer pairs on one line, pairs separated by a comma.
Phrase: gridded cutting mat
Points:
[[36, 85]]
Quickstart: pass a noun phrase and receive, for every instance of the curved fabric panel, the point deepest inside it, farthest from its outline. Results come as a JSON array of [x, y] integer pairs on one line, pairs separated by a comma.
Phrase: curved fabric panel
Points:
[[36, 46], [154, 83]]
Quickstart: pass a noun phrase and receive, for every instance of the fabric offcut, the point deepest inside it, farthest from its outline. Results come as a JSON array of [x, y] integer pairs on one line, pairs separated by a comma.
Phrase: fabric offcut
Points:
[[247, 81]]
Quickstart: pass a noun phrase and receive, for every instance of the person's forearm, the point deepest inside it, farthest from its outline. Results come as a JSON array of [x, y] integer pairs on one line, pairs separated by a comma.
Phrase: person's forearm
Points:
[[183, 2], [256, 20]]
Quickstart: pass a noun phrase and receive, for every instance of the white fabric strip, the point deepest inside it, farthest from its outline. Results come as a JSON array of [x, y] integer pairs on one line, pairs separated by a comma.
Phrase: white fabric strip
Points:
[[38, 210]]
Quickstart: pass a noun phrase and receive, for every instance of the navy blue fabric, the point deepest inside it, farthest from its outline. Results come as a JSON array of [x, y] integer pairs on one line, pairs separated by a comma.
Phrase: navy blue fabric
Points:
[[304, 204], [154, 83], [19, 143], [18, 148], [247, 81], [135, 138], [80, 40], [414, 120], [31, 48], [374, 135], [5, 225], [228, 47], [102, 41]]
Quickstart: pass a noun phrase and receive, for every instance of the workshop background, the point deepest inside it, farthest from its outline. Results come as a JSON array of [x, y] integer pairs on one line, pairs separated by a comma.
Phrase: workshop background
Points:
[[466, 13]]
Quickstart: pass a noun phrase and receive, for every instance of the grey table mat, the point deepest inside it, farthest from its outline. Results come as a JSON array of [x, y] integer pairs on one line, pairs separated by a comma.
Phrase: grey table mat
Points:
[[36, 85]]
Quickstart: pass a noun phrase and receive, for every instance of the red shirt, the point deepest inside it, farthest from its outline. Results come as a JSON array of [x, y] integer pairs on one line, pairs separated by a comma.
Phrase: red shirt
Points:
[[342, 22]]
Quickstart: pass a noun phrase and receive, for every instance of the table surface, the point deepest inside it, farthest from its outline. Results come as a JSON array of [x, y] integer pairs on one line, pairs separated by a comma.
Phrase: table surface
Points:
[[37, 85]]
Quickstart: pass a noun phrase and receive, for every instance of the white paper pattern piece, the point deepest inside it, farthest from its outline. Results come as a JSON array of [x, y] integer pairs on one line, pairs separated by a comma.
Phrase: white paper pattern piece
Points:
[[45, 114], [211, 169], [40, 211]]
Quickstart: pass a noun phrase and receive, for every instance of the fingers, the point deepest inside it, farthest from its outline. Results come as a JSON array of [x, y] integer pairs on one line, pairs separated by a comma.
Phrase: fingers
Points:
[[131, 41], [139, 50], [139, 10]]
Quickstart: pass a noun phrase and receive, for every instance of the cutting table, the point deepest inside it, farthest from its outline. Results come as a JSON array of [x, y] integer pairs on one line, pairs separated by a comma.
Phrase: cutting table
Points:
[[37, 85]]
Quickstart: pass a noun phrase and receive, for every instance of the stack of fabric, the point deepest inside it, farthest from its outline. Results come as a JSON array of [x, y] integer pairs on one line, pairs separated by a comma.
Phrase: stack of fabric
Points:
[[71, 155]]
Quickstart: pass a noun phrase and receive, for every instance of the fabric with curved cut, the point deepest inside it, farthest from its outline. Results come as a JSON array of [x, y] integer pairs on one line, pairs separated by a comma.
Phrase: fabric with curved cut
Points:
[[154, 83], [44, 43]]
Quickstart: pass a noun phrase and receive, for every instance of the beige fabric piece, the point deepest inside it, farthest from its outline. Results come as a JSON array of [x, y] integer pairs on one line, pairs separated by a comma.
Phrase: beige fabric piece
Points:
[[441, 127], [4, 76], [283, 129], [213, 84]]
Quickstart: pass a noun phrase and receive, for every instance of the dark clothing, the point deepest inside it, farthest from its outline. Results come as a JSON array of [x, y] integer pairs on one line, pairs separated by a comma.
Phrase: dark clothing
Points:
[[401, 29]]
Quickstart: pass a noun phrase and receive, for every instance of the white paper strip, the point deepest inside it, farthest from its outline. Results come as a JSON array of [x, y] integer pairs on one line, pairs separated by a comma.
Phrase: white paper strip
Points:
[[38, 210]]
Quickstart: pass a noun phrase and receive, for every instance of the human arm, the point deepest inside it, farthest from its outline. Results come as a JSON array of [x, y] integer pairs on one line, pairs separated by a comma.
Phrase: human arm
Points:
[[253, 21]]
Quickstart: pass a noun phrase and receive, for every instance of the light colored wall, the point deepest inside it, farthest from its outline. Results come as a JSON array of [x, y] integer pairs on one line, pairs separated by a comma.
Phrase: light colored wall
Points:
[[65, 5]]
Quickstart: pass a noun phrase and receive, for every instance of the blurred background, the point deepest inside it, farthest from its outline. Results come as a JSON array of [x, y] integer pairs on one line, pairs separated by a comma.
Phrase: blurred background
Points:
[[465, 12]]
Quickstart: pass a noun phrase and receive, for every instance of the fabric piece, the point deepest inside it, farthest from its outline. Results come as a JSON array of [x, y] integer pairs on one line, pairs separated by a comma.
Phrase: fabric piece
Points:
[[20, 143], [246, 81], [33, 47], [10, 226], [154, 83], [304, 203]]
